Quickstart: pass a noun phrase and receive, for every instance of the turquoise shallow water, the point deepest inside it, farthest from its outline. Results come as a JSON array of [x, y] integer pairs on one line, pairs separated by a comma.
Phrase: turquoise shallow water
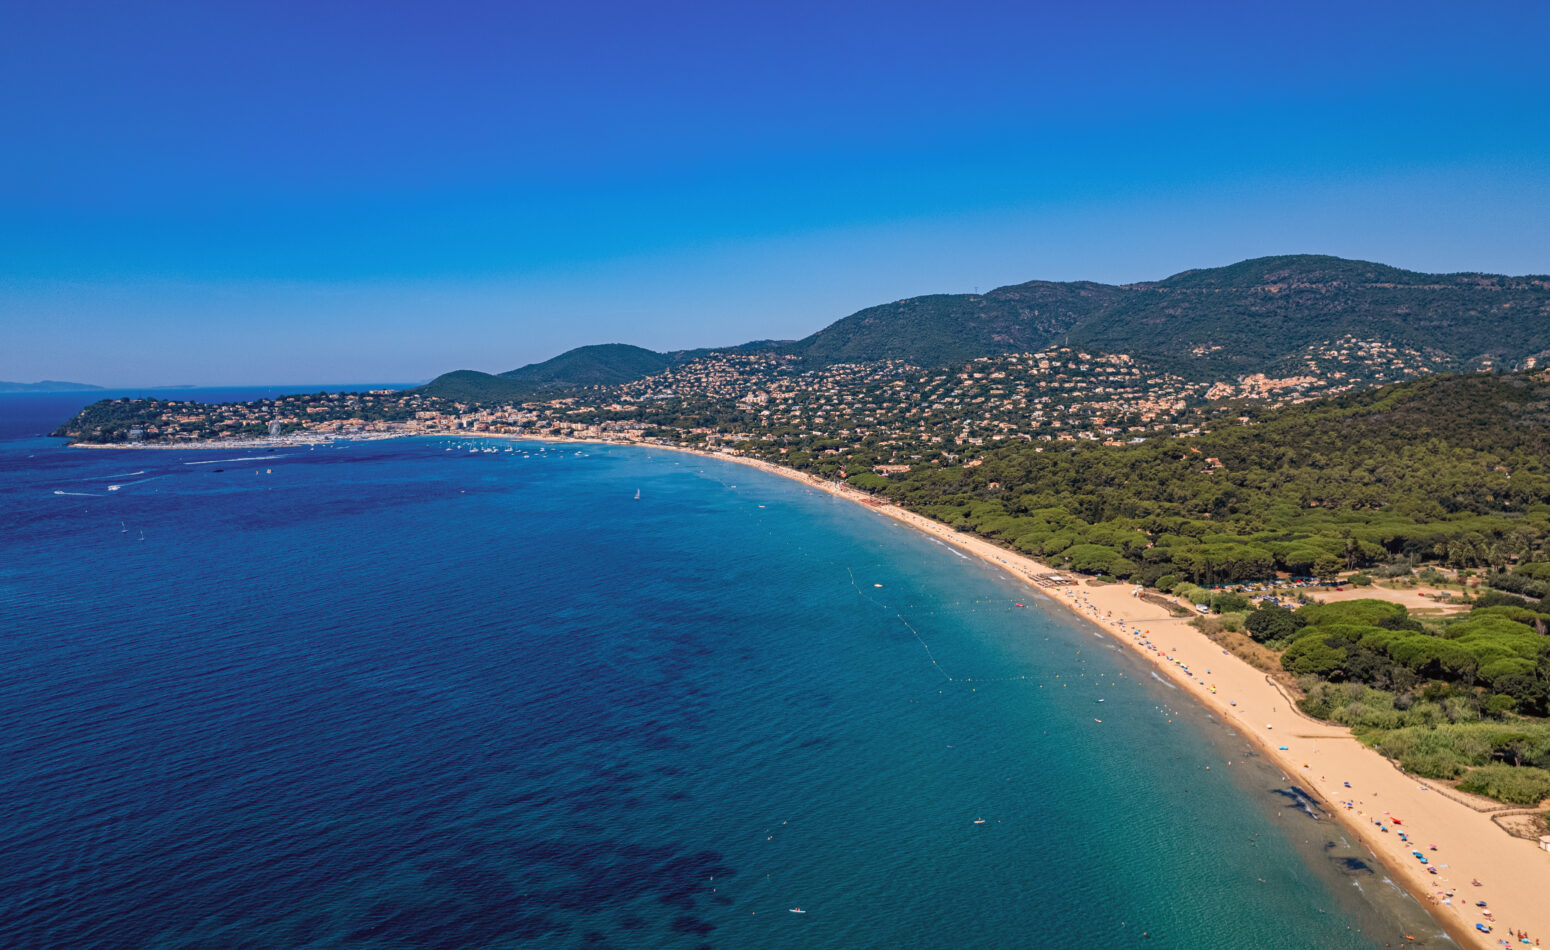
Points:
[[392, 695]]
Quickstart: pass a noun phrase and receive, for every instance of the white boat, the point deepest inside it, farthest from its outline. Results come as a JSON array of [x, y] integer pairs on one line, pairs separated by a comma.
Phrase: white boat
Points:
[[637, 494], [798, 910]]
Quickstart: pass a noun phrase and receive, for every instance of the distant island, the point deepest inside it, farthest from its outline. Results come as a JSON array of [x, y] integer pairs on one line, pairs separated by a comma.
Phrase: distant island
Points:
[[47, 386]]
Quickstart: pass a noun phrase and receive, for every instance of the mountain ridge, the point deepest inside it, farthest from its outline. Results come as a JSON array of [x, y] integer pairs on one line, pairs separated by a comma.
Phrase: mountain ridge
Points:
[[1260, 315]]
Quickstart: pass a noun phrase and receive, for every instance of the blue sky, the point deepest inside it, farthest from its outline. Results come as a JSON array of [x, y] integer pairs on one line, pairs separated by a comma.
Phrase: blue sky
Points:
[[318, 192]]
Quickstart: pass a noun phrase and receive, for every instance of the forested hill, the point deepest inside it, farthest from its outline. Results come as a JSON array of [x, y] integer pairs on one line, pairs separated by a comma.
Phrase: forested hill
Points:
[[947, 328], [1447, 468], [1280, 316], [1266, 315], [605, 364], [468, 385]]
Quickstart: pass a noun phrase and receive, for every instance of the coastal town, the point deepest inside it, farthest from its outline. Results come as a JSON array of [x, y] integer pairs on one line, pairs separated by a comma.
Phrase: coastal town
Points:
[[887, 413]]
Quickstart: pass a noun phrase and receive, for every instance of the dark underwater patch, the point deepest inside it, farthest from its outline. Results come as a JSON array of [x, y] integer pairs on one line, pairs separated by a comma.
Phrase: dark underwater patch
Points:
[[1300, 800], [1352, 866], [687, 924]]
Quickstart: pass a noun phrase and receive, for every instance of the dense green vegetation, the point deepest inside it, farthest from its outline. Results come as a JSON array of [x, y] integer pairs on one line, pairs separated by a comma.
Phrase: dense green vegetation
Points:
[[1498, 653], [473, 387], [1252, 316], [1451, 699], [605, 364], [1449, 469], [945, 328], [1531, 579]]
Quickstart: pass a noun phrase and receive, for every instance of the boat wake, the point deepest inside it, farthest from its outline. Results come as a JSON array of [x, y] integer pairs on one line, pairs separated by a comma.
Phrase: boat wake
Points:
[[1161, 680], [140, 482], [78, 494], [245, 458]]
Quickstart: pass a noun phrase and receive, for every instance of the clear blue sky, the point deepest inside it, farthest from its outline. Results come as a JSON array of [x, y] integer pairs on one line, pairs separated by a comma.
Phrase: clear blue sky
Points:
[[271, 192]]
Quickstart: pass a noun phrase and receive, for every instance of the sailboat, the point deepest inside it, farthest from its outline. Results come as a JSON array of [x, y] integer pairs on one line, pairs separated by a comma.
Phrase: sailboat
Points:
[[637, 494]]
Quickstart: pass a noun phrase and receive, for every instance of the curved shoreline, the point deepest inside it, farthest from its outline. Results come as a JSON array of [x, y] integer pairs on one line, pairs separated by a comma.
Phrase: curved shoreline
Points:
[[1514, 872]]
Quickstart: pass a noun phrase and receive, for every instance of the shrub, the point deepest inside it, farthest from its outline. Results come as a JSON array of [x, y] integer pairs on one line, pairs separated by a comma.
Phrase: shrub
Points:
[[1193, 593], [1361, 580], [1496, 598], [1500, 704], [1506, 783], [1210, 626], [1270, 622], [1433, 765], [1167, 583], [1229, 602], [1520, 584]]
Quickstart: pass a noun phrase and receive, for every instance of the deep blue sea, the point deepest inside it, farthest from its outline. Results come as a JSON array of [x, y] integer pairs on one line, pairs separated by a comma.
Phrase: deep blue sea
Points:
[[402, 694]]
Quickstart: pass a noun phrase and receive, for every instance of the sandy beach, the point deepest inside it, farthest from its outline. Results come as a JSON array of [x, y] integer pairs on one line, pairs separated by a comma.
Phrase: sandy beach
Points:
[[1364, 791]]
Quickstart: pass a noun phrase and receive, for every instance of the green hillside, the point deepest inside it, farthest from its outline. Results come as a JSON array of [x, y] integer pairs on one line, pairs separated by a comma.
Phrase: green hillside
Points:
[[1451, 469], [1286, 315], [946, 328], [472, 386], [606, 364], [1262, 315], [1258, 315]]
